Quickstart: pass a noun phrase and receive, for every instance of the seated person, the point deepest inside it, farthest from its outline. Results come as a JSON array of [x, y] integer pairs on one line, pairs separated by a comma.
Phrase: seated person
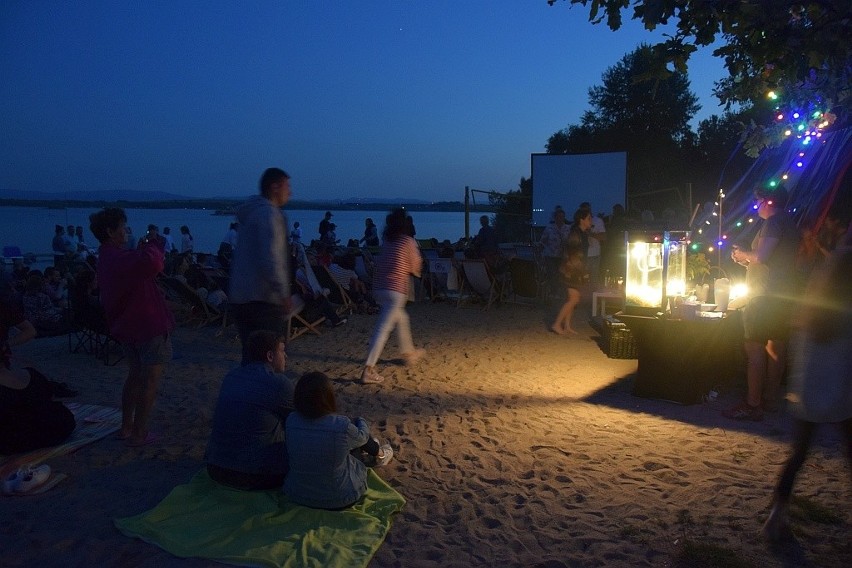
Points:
[[38, 309], [54, 286], [29, 417], [246, 448], [324, 472], [315, 302], [343, 272], [205, 286]]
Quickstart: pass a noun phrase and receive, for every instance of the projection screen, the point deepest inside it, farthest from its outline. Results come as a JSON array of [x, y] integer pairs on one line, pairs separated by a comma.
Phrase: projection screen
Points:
[[569, 179]]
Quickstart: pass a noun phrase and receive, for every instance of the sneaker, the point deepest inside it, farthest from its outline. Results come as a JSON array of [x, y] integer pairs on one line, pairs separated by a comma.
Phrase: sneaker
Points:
[[384, 456], [26, 479], [744, 411], [371, 376], [412, 357]]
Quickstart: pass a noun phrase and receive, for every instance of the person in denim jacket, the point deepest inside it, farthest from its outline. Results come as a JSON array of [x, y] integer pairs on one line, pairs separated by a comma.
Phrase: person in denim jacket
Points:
[[324, 449]]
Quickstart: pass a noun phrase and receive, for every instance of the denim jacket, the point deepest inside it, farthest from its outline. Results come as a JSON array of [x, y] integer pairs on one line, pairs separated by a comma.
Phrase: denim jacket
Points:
[[323, 474]]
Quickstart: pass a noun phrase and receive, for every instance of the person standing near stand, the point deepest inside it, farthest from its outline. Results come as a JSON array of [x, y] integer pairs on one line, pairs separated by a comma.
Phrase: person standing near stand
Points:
[[770, 277], [260, 284], [597, 236]]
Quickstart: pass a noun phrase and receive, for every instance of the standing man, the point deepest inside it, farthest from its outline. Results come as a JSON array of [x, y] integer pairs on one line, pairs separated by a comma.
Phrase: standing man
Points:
[[597, 235], [259, 292], [770, 277], [137, 316], [325, 225]]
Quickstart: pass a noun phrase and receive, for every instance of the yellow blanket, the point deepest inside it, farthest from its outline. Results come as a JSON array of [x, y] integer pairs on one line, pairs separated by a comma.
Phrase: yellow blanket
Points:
[[262, 528]]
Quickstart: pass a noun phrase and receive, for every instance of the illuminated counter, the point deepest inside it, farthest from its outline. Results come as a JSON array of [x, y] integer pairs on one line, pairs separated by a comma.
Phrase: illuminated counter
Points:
[[682, 360]]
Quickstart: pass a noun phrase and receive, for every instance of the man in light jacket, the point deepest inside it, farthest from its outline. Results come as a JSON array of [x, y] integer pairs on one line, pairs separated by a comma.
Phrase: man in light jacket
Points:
[[260, 283]]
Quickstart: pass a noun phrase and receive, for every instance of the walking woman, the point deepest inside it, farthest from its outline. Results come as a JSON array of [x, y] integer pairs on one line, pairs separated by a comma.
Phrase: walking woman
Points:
[[573, 269], [399, 260]]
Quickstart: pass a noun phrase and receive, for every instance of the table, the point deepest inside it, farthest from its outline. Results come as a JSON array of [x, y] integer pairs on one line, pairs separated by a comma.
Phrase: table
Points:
[[682, 360], [603, 296]]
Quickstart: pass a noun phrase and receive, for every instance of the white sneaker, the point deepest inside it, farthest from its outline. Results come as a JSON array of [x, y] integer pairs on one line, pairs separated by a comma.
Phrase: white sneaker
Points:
[[384, 456], [26, 479]]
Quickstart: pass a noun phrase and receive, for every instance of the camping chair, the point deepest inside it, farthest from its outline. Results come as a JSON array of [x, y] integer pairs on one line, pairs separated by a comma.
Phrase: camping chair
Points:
[[479, 279], [300, 321], [338, 294], [88, 332], [199, 310]]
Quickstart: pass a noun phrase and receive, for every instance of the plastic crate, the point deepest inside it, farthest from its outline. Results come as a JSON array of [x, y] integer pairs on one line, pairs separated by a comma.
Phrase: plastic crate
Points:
[[619, 340]]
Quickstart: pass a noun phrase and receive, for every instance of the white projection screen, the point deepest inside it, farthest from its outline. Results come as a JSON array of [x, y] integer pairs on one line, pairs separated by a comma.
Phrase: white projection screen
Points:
[[569, 179]]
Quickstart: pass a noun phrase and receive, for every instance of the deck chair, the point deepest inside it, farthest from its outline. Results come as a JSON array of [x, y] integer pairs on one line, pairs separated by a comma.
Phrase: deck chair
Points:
[[478, 279], [198, 310], [442, 277], [338, 294], [301, 320]]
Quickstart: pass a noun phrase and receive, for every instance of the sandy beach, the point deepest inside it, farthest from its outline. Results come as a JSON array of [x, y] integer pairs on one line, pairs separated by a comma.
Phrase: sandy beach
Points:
[[514, 447]]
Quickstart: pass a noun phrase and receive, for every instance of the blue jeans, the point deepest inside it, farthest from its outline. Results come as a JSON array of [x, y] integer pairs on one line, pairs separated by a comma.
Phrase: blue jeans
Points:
[[391, 314]]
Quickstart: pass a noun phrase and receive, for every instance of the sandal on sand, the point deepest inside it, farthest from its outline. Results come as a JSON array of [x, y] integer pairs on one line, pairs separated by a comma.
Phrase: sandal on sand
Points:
[[371, 376], [149, 439]]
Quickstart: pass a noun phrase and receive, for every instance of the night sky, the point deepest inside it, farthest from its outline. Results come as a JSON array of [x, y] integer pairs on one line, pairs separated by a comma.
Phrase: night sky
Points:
[[353, 99]]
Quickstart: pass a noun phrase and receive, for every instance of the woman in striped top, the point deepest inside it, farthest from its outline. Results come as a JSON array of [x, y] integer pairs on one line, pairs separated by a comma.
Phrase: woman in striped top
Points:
[[399, 260]]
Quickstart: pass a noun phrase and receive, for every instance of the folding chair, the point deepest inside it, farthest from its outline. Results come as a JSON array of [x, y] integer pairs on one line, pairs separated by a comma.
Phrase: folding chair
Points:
[[442, 277], [198, 308], [479, 279], [300, 322], [338, 294]]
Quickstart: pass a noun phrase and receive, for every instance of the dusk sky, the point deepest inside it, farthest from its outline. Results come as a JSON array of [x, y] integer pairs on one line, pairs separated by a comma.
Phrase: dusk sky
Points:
[[411, 99]]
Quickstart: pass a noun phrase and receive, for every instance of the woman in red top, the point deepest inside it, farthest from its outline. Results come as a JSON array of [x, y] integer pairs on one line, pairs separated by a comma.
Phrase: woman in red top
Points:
[[399, 260], [137, 316]]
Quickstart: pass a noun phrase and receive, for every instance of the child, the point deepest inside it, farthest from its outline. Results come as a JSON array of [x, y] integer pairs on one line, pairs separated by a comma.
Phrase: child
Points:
[[296, 233], [324, 473]]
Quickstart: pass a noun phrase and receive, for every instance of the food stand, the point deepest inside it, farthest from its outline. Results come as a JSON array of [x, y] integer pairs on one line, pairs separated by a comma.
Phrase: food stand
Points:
[[680, 358]]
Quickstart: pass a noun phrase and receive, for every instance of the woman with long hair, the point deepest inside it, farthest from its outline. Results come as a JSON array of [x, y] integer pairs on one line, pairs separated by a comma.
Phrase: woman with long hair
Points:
[[324, 447], [399, 260]]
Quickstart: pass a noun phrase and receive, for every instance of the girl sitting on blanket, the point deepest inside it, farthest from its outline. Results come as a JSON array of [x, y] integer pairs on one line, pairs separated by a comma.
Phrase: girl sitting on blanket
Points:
[[29, 417], [324, 449]]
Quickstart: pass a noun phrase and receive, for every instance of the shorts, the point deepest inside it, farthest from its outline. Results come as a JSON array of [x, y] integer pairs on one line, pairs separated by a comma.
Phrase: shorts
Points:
[[767, 317], [156, 351]]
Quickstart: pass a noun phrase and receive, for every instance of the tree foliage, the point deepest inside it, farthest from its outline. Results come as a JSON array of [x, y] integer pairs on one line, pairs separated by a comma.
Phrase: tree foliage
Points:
[[798, 49], [648, 119]]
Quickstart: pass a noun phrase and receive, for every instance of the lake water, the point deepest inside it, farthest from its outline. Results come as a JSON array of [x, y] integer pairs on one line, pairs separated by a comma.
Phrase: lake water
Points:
[[32, 228]]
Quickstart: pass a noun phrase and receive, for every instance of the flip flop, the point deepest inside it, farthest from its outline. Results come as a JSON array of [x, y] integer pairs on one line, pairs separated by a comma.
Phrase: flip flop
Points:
[[149, 439]]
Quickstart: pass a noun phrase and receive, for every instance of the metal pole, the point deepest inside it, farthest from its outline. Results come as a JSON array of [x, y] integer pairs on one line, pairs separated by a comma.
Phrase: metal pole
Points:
[[466, 212]]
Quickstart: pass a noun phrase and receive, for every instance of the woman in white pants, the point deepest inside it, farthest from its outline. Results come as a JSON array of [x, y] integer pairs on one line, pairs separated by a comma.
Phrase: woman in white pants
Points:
[[399, 260]]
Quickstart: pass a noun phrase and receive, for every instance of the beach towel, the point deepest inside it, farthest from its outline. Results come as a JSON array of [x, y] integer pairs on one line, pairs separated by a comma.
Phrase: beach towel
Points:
[[263, 528], [93, 423]]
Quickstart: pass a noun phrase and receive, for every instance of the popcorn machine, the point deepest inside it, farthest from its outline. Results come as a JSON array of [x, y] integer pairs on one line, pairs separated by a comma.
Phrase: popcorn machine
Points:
[[656, 270]]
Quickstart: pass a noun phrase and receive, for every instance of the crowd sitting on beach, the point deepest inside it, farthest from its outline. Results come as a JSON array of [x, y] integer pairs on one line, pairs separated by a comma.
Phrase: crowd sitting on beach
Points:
[[272, 430]]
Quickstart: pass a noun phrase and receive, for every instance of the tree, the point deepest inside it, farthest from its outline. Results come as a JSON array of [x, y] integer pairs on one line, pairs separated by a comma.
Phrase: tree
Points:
[[513, 212], [798, 50], [648, 119]]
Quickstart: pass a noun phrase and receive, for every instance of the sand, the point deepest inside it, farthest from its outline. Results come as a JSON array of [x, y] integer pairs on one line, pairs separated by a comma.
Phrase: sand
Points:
[[514, 447]]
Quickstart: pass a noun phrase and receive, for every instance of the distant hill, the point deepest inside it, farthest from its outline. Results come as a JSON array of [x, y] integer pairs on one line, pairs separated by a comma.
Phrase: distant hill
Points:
[[107, 195], [142, 196]]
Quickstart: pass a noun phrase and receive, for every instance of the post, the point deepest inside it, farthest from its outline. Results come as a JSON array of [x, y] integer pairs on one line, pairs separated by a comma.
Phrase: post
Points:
[[466, 212]]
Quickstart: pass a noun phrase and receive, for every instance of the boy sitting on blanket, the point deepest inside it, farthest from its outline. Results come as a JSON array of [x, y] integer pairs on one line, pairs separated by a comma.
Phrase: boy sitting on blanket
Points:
[[246, 448]]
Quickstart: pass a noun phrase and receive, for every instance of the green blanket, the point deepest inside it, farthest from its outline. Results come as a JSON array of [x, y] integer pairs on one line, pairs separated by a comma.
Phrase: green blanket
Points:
[[262, 528]]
